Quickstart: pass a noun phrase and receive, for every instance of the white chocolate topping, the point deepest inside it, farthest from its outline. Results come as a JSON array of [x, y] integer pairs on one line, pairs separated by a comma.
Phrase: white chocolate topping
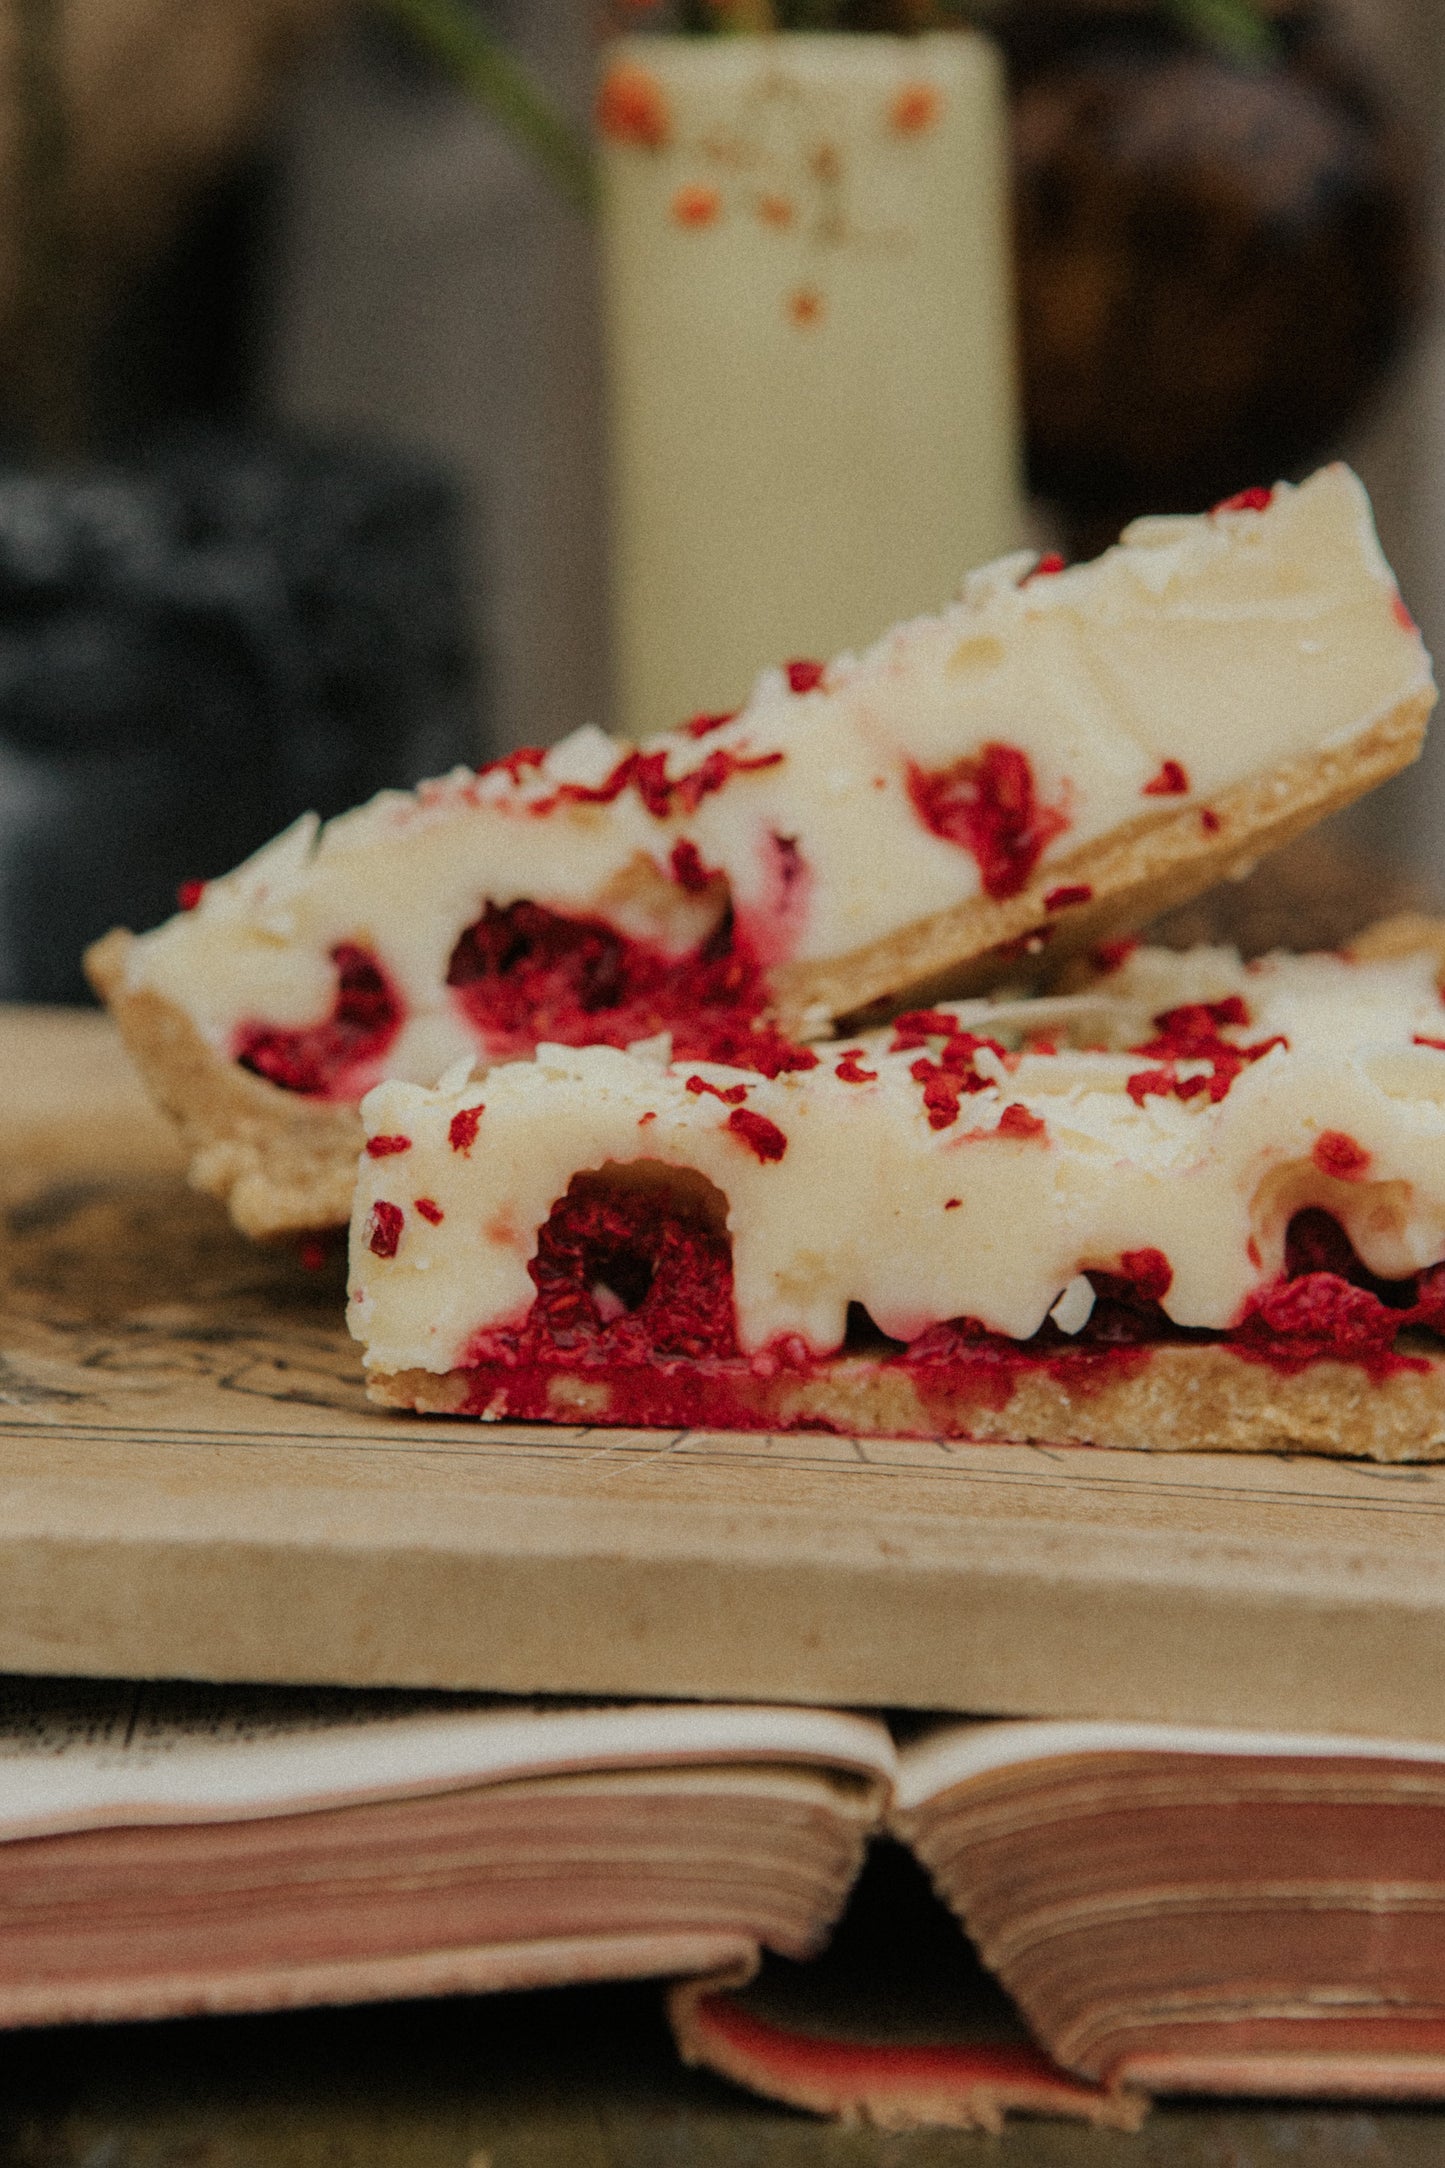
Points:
[[989, 1215], [1222, 645]]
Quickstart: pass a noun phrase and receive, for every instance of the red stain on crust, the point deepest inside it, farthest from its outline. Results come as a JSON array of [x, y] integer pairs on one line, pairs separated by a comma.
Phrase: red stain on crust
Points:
[[915, 1027], [763, 1138], [660, 792], [1111, 955], [383, 1229], [850, 1071], [771, 924], [732, 1097], [1172, 781], [1194, 1033], [1337, 1154], [949, 1079], [462, 1129], [516, 764], [1257, 499], [687, 867], [946, 1080], [988, 804], [1148, 1271]]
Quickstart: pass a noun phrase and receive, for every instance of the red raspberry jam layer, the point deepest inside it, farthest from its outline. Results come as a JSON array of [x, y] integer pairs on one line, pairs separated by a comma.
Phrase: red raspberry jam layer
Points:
[[635, 1301], [339, 1058], [523, 974], [988, 803]]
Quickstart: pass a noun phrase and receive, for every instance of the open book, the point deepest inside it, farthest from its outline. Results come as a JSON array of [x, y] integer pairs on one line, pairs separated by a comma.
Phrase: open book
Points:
[[1165, 1909]]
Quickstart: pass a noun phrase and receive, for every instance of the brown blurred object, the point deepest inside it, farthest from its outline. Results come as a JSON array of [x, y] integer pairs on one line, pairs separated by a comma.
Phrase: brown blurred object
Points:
[[1216, 260], [153, 97]]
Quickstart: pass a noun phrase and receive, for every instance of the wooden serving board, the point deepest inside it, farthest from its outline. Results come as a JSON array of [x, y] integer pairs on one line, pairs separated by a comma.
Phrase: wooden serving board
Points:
[[192, 1484]]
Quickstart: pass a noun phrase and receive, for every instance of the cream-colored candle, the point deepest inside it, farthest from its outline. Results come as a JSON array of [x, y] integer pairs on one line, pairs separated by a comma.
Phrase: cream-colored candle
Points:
[[808, 302]]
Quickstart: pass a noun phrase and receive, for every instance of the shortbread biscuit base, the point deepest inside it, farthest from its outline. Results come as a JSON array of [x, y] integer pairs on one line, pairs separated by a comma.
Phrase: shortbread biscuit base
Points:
[[283, 1164], [1200, 1399], [1159, 861]]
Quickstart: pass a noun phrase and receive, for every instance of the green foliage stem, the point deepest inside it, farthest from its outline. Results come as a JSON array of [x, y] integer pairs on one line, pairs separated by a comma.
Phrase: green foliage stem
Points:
[[1236, 28], [482, 65]]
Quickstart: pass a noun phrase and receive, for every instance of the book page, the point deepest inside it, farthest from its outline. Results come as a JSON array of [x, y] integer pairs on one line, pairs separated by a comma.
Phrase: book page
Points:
[[78, 1754], [950, 1754]]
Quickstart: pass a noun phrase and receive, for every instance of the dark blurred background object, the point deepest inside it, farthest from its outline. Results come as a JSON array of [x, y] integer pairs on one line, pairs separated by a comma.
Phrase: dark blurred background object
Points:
[[193, 650], [1219, 251], [290, 220], [115, 116], [207, 625]]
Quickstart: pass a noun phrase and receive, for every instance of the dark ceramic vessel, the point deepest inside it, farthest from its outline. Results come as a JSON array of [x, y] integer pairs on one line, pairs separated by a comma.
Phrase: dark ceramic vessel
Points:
[[193, 651]]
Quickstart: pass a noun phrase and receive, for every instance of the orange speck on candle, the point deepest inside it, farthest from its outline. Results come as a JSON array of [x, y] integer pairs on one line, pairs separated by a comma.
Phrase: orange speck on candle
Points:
[[631, 107], [696, 205], [775, 210], [805, 306], [915, 108]]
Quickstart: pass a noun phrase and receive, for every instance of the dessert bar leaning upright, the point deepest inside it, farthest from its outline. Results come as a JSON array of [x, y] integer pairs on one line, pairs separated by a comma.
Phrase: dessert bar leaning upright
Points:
[[1200, 1203], [1059, 754]]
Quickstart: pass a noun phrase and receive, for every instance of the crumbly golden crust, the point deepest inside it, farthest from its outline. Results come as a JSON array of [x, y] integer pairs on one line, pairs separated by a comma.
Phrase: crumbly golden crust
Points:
[[282, 1163], [1161, 860], [1188, 1398], [285, 1164]]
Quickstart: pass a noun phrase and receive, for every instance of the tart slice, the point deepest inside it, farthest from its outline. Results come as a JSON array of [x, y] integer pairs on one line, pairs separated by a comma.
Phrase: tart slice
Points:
[[1200, 1204], [1058, 754]]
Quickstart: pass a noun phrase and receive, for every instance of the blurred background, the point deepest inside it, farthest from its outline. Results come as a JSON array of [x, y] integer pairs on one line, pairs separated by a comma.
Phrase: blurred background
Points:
[[336, 413]]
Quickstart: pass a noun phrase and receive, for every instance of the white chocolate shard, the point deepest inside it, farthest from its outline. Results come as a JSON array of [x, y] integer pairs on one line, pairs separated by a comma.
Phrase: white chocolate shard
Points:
[[1050, 758], [1225, 645]]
